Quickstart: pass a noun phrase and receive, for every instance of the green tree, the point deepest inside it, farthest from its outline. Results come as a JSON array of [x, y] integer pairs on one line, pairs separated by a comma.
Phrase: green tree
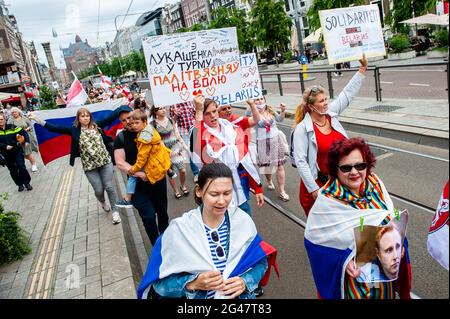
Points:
[[403, 10], [313, 12], [226, 18], [270, 25], [47, 97]]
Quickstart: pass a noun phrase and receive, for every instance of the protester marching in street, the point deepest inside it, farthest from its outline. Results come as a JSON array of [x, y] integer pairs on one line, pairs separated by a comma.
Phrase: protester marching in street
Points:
[[93, 146], [213, 237], [183, 114], [353, 195], [19, 120], [271, 145], [12, 139], [172, 140], [218, 140], [149, 197], [317, 126]]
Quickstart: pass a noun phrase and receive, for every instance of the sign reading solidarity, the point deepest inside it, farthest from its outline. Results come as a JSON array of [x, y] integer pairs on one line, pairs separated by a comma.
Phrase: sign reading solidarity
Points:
[[350, 32], [251, 82], [183, 65]]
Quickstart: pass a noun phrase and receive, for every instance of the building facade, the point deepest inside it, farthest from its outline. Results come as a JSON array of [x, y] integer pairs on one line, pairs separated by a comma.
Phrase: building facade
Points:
[[80, 56], [172, 18], [195, 11], [13, 65]]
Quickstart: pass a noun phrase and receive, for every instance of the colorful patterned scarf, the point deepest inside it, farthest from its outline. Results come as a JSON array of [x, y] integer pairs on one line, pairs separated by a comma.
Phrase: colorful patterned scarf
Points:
[[372, 197]]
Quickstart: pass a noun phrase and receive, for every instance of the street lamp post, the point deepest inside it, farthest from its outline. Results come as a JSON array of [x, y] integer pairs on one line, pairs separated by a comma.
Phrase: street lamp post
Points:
[[298, 24]]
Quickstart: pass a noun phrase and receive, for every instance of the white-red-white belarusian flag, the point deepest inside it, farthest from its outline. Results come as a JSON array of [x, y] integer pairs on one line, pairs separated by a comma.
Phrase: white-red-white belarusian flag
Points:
[[438, 233], [76, 96], [105, 82]]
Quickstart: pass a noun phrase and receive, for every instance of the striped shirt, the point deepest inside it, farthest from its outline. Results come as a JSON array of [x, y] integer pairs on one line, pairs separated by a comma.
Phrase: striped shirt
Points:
[[222, 230]]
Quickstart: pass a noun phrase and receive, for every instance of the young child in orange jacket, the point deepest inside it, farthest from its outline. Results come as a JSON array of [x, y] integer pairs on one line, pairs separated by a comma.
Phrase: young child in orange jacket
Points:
[[153, 156]]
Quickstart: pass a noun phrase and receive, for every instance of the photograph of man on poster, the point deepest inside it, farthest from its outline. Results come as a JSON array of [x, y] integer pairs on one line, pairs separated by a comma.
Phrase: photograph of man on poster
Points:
[[379, 250]]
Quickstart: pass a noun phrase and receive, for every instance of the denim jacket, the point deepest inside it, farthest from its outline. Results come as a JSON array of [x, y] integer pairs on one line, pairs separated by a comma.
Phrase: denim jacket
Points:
[[174, 286]]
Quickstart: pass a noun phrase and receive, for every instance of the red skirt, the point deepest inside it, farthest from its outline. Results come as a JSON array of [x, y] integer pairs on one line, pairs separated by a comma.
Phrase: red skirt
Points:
[[306, 199]]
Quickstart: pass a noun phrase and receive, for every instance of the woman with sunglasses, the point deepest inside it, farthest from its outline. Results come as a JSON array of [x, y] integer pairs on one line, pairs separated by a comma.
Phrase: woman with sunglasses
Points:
[[317, 126], [353, 196], [199, 256]]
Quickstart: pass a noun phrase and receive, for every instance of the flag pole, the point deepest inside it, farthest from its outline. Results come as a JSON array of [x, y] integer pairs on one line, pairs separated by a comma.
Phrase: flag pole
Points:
[[75, 76]]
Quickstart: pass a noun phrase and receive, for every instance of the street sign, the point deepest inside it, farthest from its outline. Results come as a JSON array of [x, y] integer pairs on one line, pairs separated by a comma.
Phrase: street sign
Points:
[[55, 85], [303, 59]]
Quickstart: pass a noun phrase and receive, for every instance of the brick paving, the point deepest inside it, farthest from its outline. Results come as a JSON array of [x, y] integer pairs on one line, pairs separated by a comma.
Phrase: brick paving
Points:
[[91, 259]]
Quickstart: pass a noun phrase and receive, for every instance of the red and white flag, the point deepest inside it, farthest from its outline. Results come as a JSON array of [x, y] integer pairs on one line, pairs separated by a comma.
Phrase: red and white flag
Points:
[[105, 82], [438, 233], [77, 96]]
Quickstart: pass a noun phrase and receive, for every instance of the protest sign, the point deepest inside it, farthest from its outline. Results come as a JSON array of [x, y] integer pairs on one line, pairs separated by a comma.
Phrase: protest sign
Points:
[[350, 32], [183, 65], [251, 82], [379, 249]]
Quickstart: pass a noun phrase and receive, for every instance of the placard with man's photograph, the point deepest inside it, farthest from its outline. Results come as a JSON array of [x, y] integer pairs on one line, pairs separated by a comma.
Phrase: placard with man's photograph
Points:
[[379, 250]]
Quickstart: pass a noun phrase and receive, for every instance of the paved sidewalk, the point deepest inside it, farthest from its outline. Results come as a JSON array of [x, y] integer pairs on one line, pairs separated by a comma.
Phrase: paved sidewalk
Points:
[[76, 250]]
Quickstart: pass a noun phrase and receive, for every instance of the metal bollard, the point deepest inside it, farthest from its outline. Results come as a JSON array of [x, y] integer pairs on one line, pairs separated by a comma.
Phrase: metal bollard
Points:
[[330, 85], [280, 86]]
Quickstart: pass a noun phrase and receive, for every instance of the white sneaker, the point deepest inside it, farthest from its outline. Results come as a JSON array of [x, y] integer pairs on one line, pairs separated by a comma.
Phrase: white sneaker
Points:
[[116, 218], [34, 168]]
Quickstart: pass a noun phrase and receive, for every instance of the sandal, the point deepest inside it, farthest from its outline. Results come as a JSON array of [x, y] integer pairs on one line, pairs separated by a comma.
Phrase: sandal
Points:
[[177, 195], [270, 186], [284, 197], [185, 191]]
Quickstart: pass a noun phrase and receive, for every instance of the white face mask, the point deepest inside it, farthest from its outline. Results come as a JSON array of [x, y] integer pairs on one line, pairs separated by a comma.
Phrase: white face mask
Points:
[[318, 112], [261, 106]]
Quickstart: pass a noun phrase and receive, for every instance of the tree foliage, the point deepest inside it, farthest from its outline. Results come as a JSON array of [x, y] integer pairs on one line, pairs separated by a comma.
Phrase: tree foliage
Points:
[[404, 9], [271, 25], [226, 18]]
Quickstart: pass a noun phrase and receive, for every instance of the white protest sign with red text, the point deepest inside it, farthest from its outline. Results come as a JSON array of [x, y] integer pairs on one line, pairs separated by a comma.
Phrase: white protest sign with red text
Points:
[[350, 32], [183, 65], [251, 81]]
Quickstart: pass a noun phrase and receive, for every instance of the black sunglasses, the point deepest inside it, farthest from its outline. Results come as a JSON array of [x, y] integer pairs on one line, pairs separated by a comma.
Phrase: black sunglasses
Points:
[[220, 252], [348, 168]]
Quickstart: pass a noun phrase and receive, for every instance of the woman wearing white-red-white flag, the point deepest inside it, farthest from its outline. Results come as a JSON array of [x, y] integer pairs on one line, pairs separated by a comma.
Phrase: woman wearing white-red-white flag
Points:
[[438, 233]]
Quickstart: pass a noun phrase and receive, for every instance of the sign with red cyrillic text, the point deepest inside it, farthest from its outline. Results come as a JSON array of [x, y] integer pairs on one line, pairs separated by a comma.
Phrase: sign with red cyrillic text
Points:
[[350, 32], [183, 65], [251, 81]]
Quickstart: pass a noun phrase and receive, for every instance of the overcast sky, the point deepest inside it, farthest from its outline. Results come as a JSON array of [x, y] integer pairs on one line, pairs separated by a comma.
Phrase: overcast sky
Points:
[[90, 19]]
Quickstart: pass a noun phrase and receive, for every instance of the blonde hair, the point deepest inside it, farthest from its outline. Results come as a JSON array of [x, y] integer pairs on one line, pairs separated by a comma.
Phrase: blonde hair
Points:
[[138, 115], [309, 97]]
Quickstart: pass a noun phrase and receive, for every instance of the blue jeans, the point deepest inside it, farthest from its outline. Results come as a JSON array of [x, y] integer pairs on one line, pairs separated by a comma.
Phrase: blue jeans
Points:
[[246, 207], [187, 140], [131, 184]]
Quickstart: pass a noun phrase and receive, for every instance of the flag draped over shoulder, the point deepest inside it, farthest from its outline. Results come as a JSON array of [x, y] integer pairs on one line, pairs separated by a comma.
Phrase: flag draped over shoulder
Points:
[[184, 248], [76, 95], [437, 242], [54, 145], [329, 240], [229, 146]]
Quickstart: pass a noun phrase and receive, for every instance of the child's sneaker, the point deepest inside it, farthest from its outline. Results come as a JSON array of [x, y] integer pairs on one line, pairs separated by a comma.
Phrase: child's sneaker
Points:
[[124, 203]]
